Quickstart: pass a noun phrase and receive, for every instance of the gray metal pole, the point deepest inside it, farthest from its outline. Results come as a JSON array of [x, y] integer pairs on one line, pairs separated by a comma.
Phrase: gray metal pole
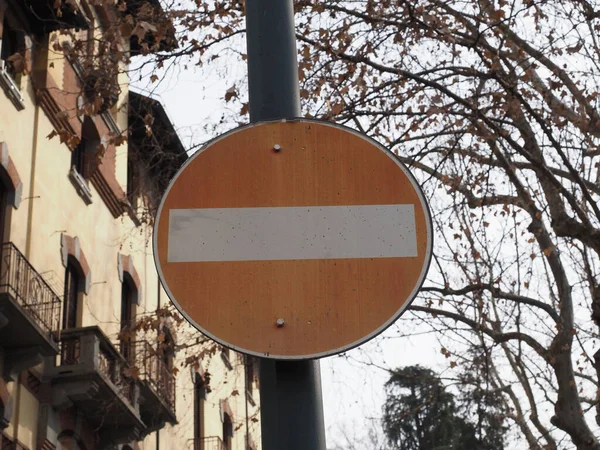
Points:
[[290, 391], [272, 60]]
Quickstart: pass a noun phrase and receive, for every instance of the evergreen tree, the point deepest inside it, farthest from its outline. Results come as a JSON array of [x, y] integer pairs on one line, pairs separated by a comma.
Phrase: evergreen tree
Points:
[[420, 414]]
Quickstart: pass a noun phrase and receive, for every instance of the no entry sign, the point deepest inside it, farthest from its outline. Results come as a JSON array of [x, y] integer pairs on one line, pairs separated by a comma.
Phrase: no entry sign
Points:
[[292, 239]]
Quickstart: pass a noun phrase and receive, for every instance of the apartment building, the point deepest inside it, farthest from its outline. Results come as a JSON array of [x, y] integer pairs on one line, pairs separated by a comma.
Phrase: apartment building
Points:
[[91, 356]]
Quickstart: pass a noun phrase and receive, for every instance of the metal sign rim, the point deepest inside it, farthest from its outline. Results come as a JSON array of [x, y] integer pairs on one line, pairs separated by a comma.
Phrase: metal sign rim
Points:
[[337, 351]]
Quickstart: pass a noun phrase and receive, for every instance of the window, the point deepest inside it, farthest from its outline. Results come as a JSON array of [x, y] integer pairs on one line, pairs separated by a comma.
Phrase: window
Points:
[[12, 59], [199, 397], [249, 373], [166, 347], [250, 364], [226, 357], [128, 295], [3, 209], [13, 49], [87, 36], [83, 159], [72, 289], [83, 155], [78, 157], [71, 440], [227, 431], [133, 189]]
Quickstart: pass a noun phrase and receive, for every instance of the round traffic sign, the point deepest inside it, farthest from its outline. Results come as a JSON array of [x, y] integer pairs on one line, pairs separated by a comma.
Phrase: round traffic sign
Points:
[[292, 239]]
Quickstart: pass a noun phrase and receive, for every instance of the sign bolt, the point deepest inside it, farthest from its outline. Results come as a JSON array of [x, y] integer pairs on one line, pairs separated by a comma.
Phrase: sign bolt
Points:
[[277, 148], [279, 322]]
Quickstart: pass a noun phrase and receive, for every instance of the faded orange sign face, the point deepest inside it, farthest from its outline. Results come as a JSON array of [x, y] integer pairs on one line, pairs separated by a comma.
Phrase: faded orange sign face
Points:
[[292, 240]]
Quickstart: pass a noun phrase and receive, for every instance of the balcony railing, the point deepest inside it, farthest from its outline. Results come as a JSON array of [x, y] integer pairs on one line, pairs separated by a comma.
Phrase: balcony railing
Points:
[[9, 443], [154, 370], [81, 344], [208, 443], [19, 279]]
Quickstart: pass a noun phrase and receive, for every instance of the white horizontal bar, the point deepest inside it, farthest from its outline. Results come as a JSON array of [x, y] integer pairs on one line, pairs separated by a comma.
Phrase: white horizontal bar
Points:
[[291, 233]]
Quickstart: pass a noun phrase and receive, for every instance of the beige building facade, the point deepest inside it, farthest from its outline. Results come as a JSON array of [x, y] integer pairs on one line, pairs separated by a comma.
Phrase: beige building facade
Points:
[[91, 354]]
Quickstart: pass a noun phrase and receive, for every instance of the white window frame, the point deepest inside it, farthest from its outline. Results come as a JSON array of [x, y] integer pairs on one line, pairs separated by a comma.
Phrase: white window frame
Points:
[[9, 85]]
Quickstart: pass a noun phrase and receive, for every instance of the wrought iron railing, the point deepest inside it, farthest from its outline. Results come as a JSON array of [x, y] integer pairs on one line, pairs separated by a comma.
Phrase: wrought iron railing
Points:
[[70, 350], [155, 371], [9, 443], [208, 443], [19, 279], [79, 345]]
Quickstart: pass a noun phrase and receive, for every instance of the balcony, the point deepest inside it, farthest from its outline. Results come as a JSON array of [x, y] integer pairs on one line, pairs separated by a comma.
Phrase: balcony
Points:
[[157, 387], [8, 443], [94, 377], [207, 443], [29, 313]]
